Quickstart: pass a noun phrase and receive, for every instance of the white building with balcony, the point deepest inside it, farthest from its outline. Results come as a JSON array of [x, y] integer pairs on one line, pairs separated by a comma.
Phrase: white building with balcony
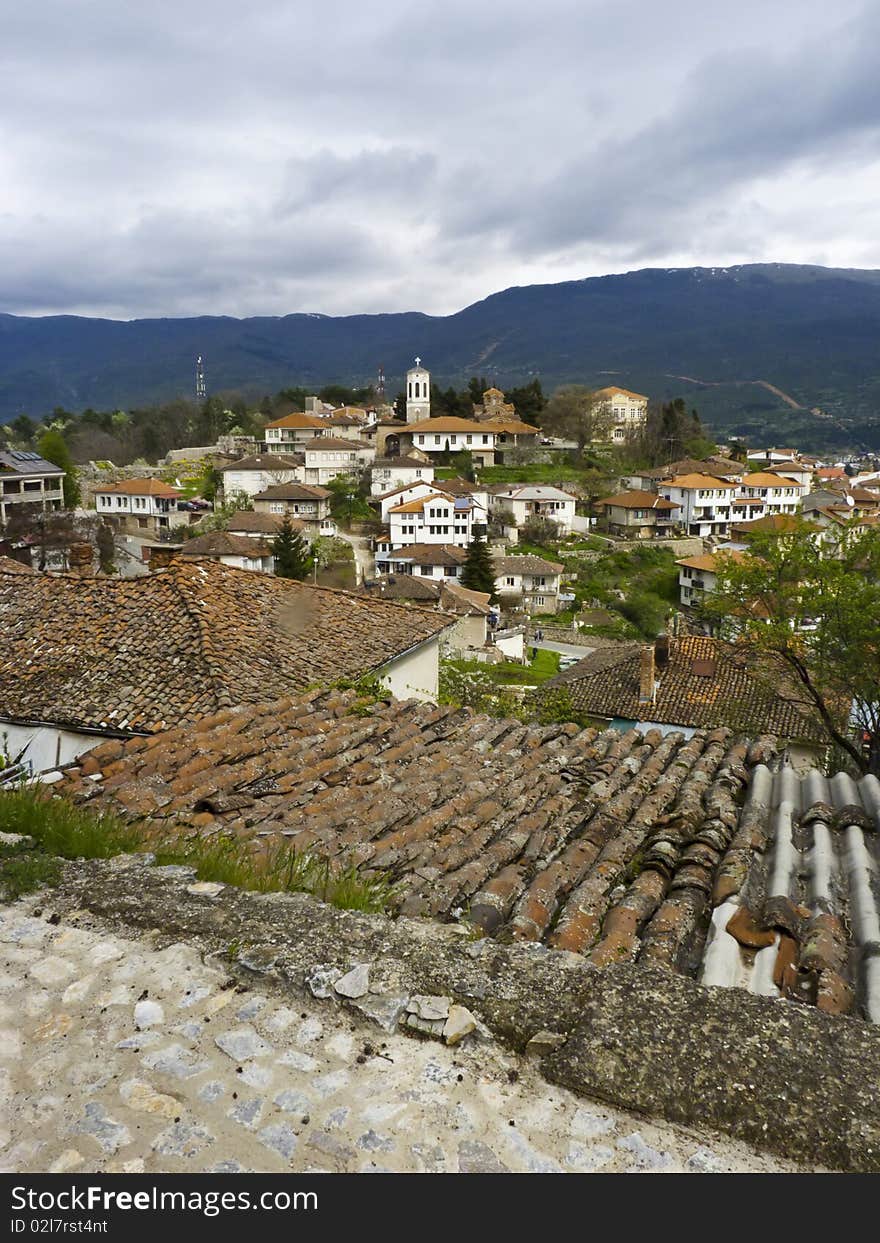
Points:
[[527, 501], [448, 434], [329, 456], [287, 434], [628, 412], [780, 494], [389, 473], [436, 519], [28, 479], [139, 504], [704, 503], [529, 583], [251, 475]]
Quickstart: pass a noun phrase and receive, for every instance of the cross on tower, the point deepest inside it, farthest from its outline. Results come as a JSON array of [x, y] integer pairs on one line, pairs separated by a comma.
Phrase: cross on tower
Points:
[[418, 362]]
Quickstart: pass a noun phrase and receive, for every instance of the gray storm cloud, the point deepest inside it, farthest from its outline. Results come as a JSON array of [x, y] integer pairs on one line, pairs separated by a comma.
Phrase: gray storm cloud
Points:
[[200, 157]]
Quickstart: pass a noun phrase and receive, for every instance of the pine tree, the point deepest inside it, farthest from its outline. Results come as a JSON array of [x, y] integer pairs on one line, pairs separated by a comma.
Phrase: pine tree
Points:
[[291, 552], [478, 572]]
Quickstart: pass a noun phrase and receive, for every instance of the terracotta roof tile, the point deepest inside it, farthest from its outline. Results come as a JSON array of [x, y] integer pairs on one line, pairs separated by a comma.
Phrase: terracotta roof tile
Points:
[[140, 487], [733, 695], [141, 654]]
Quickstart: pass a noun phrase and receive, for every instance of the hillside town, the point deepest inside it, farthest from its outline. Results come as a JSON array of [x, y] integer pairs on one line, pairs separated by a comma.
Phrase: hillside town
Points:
[[508, 677]]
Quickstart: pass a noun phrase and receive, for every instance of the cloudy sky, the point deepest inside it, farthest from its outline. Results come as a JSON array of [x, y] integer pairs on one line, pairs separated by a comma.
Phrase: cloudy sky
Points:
[[207, 157]]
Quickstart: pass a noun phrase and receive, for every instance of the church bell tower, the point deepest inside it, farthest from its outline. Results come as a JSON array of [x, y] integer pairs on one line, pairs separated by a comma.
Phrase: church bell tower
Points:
[[418, 393]]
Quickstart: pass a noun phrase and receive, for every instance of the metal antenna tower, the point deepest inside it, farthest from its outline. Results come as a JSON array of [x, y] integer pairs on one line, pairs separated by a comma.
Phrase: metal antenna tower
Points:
[[201, 390], [380, 383]]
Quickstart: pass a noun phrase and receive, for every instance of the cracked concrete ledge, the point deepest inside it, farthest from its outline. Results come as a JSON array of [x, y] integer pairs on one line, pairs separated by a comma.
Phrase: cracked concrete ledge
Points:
[[783, 1077]]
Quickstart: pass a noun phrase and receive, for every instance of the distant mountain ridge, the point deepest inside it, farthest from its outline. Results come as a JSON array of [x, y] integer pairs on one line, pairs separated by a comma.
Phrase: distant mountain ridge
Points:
[[740, 334]]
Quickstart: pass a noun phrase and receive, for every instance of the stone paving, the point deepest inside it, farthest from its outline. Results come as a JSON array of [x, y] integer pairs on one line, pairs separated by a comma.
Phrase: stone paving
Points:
[[121, 1053]]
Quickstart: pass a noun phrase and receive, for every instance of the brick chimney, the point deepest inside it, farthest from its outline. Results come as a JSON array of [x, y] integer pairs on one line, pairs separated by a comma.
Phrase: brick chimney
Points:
[[661, 652], [647, 679], [79, 559], [162, 557]]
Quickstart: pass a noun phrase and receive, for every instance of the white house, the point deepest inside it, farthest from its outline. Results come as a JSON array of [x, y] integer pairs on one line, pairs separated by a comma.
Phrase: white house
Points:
[[436, 519], [698, 575], [389, 473], [254, 474], [242, 552], [287, 434], [528, 500], [703, 501], [451, 435], [138, 504], [329, 456], [28, 479], [628, 411], [400, 496], [435, 561], [300, 501], [780, 495], [528, 582]]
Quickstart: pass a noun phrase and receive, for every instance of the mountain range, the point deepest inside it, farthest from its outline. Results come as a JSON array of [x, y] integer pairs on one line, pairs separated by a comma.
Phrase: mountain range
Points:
[[762, 350]]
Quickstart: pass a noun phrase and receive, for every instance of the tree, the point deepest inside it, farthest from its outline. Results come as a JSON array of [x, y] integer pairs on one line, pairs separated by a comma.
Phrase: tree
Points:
[[528, 401], [811, 603], [291, 553], [24, 428], [106, 549], [577, 413], [539, 530], [671, 432], [478, 572], [53, 447]]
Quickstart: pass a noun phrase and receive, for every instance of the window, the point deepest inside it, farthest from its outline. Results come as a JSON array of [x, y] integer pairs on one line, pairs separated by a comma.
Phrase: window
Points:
[[275, 507], [436, 440], [509, 582]]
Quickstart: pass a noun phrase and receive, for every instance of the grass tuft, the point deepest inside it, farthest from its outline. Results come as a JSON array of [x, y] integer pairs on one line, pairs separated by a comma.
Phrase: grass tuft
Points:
[[61, 829]]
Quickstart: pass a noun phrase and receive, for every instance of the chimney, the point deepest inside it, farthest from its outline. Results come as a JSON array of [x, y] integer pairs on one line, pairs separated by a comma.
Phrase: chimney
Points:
[[661, 652], [79, 559], [162, 557], [647, 681]]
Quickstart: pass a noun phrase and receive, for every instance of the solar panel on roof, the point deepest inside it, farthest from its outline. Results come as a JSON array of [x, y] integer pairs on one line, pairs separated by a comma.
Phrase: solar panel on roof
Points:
[[25, 455]]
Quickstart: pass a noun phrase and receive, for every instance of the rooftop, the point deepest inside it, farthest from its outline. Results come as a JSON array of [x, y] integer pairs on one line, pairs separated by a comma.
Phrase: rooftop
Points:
[[296, 420], [224, 544], [706, 684], [427, 554], [293, 492], [691, 856], [266, 462], [26, 462], [139, 654], [526, 564], [449, 423], [765, 479], [329, 444], [252, 523], [140, 487], [701, 481], [611, 389], [635, 498]]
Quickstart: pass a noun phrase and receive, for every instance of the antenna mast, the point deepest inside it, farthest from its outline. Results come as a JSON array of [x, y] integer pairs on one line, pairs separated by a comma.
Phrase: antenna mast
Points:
[[380, 383]]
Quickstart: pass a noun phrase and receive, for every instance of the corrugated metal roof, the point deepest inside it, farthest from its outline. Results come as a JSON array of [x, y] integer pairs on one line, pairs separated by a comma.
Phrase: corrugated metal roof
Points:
[[807, 866]]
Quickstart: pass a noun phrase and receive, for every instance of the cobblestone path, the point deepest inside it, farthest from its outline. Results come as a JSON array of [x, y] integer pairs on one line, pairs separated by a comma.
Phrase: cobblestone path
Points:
[[120, 1054]]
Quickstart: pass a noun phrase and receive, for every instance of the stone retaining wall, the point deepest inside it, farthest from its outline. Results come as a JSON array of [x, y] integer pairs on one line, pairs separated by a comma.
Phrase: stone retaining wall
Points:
[[781, 1076]]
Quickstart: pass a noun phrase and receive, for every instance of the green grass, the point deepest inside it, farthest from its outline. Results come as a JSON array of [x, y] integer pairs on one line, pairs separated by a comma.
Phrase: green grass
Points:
[[62, 830], [24, 870], [281, 869]]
